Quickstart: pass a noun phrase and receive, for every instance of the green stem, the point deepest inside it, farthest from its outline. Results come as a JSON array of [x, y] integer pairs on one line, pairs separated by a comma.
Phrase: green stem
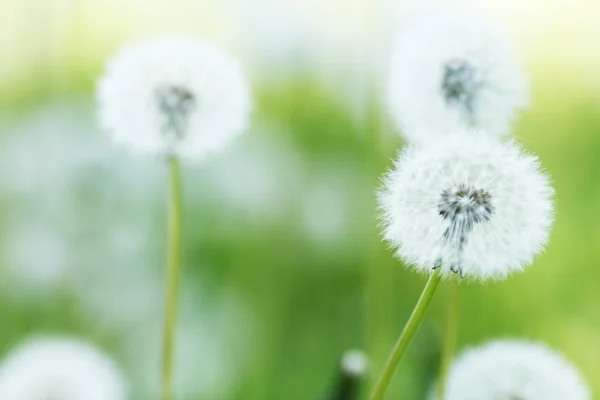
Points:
[[407, 334], [174, 215], [450, 337]]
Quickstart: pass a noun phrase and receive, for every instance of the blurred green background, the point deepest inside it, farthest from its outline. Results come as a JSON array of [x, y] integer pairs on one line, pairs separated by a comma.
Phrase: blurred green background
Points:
[[284, 268]]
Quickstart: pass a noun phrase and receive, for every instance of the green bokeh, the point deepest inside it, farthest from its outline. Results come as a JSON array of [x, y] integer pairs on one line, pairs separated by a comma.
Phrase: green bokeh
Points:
[[313, 302]]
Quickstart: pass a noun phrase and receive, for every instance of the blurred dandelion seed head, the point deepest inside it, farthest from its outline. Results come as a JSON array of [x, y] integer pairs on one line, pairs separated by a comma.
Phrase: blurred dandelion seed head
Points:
[[173, 95], [469, 203], [91, 207], [450, 70], [355, 362], [60, 368], [175, 104], [460, 84], [510, 369]]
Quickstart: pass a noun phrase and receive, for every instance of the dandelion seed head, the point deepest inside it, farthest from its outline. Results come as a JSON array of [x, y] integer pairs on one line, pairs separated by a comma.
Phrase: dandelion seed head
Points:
[[59, 369], [460, 83], [514, 370], [173, 95], [451, 70], [175, 104], [468, 203]]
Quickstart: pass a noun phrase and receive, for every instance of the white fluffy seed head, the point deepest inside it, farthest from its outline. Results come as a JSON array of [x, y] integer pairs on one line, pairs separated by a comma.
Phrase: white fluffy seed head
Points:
[[450, 70], [173, 95], [514, 370], [57, 368], [468, 203]]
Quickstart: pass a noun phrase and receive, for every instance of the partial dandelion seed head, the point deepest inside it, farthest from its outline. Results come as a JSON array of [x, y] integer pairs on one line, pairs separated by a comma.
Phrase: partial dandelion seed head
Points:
[[354, 363], [514, 370], [451, 70], [61, 369], [469, 204], [173, 95]]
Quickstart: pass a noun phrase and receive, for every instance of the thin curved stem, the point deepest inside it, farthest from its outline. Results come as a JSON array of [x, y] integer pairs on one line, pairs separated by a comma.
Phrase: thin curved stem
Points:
[[174, 216], [407, 334], [450, 336]]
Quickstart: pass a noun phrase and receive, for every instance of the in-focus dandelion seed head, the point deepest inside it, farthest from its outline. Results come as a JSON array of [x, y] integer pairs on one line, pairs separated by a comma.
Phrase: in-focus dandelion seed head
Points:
[[173, 95], [454, 69], [511, 369], [468, 203], [465, 202], [463, 207]]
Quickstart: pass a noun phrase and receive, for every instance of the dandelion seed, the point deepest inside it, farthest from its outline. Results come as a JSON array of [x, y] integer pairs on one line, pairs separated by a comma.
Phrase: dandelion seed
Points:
[[514, 370], [453, 70], [55, 368], [173, 95], [469, 204]]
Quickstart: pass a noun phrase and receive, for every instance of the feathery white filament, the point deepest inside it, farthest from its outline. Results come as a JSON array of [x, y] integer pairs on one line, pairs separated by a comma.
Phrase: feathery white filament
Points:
[[56, 368], [468, 203], [514, 370], [451, 70], [173, 95]]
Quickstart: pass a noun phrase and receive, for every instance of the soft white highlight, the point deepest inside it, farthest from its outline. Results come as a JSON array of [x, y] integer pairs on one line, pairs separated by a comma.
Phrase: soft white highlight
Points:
[[514, 370], [467, 203], [173, 95], [58, 368], [35, 256], [449, 70], [355, 362], [210, 357]]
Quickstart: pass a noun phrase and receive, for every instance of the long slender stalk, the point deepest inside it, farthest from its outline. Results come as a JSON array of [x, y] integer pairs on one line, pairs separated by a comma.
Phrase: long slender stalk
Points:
[[450, 336], [407, 334], [174, 215]]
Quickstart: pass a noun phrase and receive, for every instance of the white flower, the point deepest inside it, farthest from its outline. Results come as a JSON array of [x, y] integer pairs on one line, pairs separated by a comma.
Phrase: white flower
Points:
[[467, 203], [452, 70], [514, 370], [173, 95], [56, 368]]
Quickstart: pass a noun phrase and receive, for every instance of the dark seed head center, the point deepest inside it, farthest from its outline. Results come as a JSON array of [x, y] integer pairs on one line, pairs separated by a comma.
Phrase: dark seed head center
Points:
[[460, 83], [466, 203], [175, 104]]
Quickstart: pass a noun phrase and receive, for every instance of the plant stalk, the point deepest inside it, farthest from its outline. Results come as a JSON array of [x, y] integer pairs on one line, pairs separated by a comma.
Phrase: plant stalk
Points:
[[407, 334], [450, 336], [173, 266]]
